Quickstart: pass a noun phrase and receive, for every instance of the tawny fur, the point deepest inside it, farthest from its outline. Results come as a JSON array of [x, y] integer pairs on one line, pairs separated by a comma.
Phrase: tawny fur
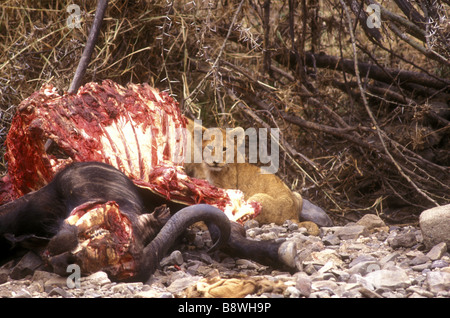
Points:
[[278, 202]]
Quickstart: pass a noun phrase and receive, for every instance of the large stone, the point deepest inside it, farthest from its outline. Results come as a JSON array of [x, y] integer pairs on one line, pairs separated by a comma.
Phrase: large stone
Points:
[[175, 258], [46, 281], [392, 279], [438, 281], [27, 265], [350, 231], [373, 223], [437, 251], [98, 278], [325, 256], [435, 226], [181, 284], [303, 284], [406, 240], [363, 264], [327, 285]]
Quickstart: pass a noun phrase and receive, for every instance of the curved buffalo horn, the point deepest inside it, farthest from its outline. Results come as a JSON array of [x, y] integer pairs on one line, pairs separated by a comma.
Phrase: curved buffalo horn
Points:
[[267, 252], [158, 248]]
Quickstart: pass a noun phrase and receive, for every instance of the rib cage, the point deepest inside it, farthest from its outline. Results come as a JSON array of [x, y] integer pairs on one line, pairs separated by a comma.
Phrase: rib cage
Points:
[[136, 129]]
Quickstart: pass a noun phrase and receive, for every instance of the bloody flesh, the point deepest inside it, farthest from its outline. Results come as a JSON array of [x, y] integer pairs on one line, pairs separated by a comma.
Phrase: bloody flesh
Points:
[[136, 129], [105, 240]]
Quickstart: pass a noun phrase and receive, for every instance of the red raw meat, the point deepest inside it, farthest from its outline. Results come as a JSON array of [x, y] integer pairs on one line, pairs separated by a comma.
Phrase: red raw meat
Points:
[[136, 129]]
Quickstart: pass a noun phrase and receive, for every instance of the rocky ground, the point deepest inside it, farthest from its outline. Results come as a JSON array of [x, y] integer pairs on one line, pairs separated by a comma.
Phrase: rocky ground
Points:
[[362, 259]]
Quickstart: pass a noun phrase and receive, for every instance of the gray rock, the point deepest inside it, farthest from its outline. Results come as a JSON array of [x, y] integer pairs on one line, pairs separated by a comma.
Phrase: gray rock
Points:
[[42, 276], [435, 225], [325, 256], [391, 279], [268, 236], [303, 284], [291, 292], [99, 278], [407, 239], [372, 222], [363, 258], [22, 293], [365, 267], [419, 292], [369, 293], [439, 264], [182, 283], [46, 281], [437, 251], [320, 294], [4, 274], [175, 258], [124, 288], [419, 260], [247, 264], [327, 285], [5, 291], [292, 226], [60, 292], [27, 265], [351, 231], [153, 293], [341, 275], [92, 294], [331, 239], [353, 265], [420, 267], [254, 232], [389, 258], [251, 224], [394, 294], [438, 281], [364, 264]]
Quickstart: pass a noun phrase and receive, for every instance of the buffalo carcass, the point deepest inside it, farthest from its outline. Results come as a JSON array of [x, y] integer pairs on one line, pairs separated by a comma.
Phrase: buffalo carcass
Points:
[[134, 130], [92, 215]]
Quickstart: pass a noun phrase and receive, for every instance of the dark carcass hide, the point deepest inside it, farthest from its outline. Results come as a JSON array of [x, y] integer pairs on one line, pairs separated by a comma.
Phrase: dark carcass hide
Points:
[[137, 130], [93, 216]]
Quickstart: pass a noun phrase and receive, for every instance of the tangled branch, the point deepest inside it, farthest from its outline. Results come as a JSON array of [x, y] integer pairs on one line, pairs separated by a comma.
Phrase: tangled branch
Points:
[[363, 111]]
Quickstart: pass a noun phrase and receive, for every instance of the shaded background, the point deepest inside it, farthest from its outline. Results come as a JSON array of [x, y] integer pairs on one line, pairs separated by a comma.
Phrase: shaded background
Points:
[[363, 112]]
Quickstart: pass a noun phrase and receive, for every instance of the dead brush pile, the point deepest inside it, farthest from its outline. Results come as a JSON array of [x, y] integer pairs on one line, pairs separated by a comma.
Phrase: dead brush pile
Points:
[[362, 104]]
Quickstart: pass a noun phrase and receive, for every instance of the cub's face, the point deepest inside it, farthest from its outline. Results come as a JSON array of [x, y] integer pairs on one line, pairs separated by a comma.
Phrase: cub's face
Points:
[[215, 153]]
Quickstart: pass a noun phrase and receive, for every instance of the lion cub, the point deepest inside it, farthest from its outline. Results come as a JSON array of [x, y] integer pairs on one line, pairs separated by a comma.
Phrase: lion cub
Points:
[[278, 202]]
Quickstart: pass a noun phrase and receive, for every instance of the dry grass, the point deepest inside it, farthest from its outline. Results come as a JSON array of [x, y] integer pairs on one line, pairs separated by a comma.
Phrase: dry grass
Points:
[[183, 48]]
